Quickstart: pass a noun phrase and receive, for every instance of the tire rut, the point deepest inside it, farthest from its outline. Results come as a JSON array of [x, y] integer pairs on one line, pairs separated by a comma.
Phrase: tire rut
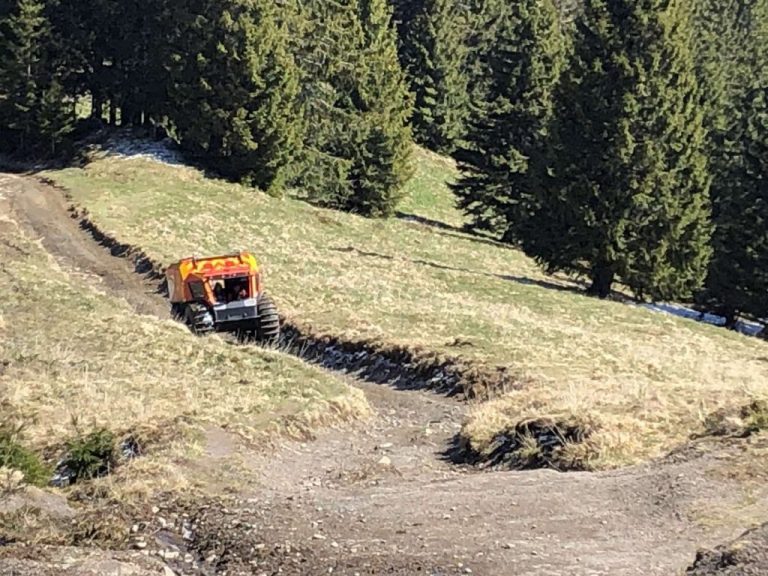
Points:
[[43, 212]]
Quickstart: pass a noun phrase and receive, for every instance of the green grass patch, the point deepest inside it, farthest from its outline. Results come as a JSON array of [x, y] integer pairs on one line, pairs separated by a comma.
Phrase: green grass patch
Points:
[[756, 416], [428, 194]]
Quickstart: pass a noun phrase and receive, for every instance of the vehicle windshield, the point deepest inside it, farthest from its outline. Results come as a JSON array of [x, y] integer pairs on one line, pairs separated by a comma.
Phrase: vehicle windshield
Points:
[[231, 289]]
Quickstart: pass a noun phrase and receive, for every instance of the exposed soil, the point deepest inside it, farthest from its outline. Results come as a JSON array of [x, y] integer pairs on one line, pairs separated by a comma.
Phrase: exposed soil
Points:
[[43, 210], [745, 556], [384, 497]]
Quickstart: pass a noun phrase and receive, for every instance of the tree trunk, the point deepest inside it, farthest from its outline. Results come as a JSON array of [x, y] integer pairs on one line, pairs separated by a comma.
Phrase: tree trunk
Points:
[[215, 144], [135, 117], [126, 114], [112, 112], [602, 280], [97, 107]]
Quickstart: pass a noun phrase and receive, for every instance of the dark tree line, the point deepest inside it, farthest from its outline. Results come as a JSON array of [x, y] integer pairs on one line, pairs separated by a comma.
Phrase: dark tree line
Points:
[[732, 62], [270, 93], [35, 114], [621, 139]]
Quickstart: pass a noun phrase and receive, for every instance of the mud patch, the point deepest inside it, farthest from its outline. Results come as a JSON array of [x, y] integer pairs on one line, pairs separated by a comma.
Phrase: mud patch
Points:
[[562, 445], [745, 556], [246, 537], [142, 263]]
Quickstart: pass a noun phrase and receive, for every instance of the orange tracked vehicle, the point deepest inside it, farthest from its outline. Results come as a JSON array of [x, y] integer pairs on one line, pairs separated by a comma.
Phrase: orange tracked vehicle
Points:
[[223, 294]]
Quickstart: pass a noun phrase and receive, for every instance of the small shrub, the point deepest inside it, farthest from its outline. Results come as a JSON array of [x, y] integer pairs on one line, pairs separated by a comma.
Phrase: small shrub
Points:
[[90, 456], [756, 416], [15, 456]]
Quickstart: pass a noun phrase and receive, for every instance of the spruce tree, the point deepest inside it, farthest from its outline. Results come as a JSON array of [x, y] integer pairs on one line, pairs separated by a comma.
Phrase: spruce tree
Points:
[[91, 40], [738, 278], [504, 157], [737, 282], [34, 114], [55, 121], [629, 196], [234, 90], [138, 48], [403, 14], [484, 19], [716, 46], [331, 38], [355, 94], [23, 33], [434, 54], [382, 164]]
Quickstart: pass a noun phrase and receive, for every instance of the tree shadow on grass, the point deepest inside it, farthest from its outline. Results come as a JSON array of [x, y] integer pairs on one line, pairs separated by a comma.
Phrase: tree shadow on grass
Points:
[[574, 287], [451, 231], [427, 221]]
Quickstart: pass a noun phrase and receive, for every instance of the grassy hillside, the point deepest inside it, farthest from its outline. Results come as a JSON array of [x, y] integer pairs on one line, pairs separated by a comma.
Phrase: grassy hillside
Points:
[[645, 379], [74, 359], [428, 195]]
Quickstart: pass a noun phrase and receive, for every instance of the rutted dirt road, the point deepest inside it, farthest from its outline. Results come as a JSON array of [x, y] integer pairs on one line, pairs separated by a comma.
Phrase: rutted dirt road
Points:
[[382, 498]]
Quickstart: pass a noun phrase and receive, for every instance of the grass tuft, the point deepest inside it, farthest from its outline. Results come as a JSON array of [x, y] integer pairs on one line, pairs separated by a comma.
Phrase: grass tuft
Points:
[[15, 456], [738, 421], [563, 445], [756, 416]]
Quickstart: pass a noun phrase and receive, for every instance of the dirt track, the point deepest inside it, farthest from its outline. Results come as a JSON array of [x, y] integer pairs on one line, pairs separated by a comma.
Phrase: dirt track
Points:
[[383, 499]]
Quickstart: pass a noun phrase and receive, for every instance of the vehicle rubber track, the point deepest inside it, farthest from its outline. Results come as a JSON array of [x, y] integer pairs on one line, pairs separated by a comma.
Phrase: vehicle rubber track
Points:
[[199, 319], [268, 331]]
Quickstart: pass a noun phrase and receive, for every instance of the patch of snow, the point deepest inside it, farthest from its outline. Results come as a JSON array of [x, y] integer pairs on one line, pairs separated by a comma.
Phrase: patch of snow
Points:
[[132, 148], [63, 476], [742, 326]]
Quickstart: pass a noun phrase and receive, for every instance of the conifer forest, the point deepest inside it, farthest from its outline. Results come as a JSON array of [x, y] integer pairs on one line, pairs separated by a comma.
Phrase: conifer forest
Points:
[[622, 140]]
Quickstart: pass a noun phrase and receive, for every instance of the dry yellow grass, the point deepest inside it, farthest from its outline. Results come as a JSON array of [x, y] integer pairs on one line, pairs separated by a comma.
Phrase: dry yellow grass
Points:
[[73, 358], [647, 379]]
